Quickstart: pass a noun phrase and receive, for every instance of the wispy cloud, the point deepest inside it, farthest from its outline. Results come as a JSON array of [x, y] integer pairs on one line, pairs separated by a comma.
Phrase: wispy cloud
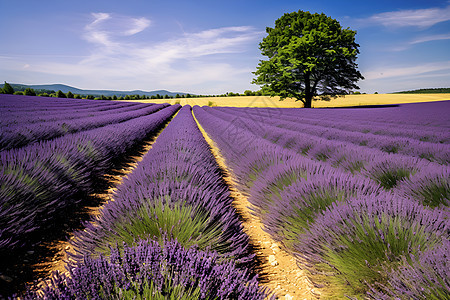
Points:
[[430, 38], [419, 40], [105, 27], [422, 18], [417, 70], [189, 58]]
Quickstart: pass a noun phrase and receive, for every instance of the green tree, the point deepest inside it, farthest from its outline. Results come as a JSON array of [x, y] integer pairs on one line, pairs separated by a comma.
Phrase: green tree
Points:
[[7, 89], [29, 92], [308, 55], [69, 95], [249, 93], [60, 94]]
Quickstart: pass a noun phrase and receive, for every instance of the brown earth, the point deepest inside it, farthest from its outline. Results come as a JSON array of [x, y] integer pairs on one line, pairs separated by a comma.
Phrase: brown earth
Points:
[[279, 270]]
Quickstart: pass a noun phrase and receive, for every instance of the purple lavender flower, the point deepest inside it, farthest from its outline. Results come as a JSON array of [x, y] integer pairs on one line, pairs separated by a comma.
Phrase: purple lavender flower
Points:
[[425, 276], [153, 271], [356, 239]]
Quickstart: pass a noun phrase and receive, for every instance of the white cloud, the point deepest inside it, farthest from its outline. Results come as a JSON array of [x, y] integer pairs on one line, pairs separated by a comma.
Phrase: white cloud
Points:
[[430, 38], [106, 27], [392, 72], [421, 18], [118, 61]]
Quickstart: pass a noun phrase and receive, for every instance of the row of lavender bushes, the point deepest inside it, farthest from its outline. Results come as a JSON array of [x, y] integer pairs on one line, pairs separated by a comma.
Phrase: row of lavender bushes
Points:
[[360, 232], [400, 173], [41, 182], [437, 151], [170, 233], [28, 130]]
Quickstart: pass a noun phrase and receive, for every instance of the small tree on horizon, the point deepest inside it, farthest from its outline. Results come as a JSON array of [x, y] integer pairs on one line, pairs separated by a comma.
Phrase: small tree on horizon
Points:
[[7, 89], [60, 94], [29, 92], [308, 55]]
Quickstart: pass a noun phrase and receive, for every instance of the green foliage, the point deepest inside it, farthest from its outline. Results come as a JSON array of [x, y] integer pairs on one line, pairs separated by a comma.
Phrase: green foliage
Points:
[[426, 91], [60, 94], [362, 260], [149, 291], [7, 89], [18, 93], [300, 219], [29, 92], [210, 103], [160, 221], [388, 178], [308, 55], [69, 95]]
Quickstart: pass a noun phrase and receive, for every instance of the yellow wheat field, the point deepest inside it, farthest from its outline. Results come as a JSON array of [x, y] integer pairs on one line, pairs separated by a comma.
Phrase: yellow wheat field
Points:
[[266, 101]]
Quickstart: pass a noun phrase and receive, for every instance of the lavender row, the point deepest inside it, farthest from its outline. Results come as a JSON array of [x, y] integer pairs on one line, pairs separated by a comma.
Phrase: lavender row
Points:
[[406, 146], [419, 133], [21, 135], [40, 182], [37, 116], [339, 224], [15, 103], [416, 115], [171, 230], [400, 173], [152, 270], [178, 175]]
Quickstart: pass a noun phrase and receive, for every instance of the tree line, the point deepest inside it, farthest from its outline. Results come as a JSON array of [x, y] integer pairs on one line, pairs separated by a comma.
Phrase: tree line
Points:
[[8, 89]]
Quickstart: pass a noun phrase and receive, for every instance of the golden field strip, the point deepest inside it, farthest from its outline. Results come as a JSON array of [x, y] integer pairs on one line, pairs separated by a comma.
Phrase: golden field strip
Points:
[[266, 101]]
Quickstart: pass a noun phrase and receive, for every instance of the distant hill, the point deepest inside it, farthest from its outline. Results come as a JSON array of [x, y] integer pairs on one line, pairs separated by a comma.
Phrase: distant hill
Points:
[[66, 88], [427, 91]]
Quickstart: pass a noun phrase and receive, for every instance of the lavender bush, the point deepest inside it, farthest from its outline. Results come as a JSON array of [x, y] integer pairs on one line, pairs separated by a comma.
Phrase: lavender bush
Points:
[[176, 192], [298, 205], [423, 277], [357, 240], [40, 182], [431, 187], [152, 270]]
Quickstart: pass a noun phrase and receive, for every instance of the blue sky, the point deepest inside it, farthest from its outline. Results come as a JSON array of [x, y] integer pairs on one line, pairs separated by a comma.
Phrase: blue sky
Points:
[[209, 47]]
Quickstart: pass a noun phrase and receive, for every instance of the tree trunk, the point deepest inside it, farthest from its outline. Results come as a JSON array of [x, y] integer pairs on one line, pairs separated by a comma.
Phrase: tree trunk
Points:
[[308, 92], [308, 101]]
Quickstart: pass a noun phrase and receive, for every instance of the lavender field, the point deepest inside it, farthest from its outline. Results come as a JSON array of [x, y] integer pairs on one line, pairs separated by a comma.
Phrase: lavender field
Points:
[[360, 198]]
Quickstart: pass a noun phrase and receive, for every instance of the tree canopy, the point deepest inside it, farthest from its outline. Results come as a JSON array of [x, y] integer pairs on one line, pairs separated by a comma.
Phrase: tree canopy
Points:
[[7, 89], [308, 55]]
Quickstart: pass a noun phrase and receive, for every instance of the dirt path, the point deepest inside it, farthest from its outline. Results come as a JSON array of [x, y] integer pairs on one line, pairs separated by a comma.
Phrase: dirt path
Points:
[[279, 270]]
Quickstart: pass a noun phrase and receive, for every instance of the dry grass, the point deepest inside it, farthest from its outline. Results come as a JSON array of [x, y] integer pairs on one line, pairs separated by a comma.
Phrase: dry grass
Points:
[[265, 101]]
